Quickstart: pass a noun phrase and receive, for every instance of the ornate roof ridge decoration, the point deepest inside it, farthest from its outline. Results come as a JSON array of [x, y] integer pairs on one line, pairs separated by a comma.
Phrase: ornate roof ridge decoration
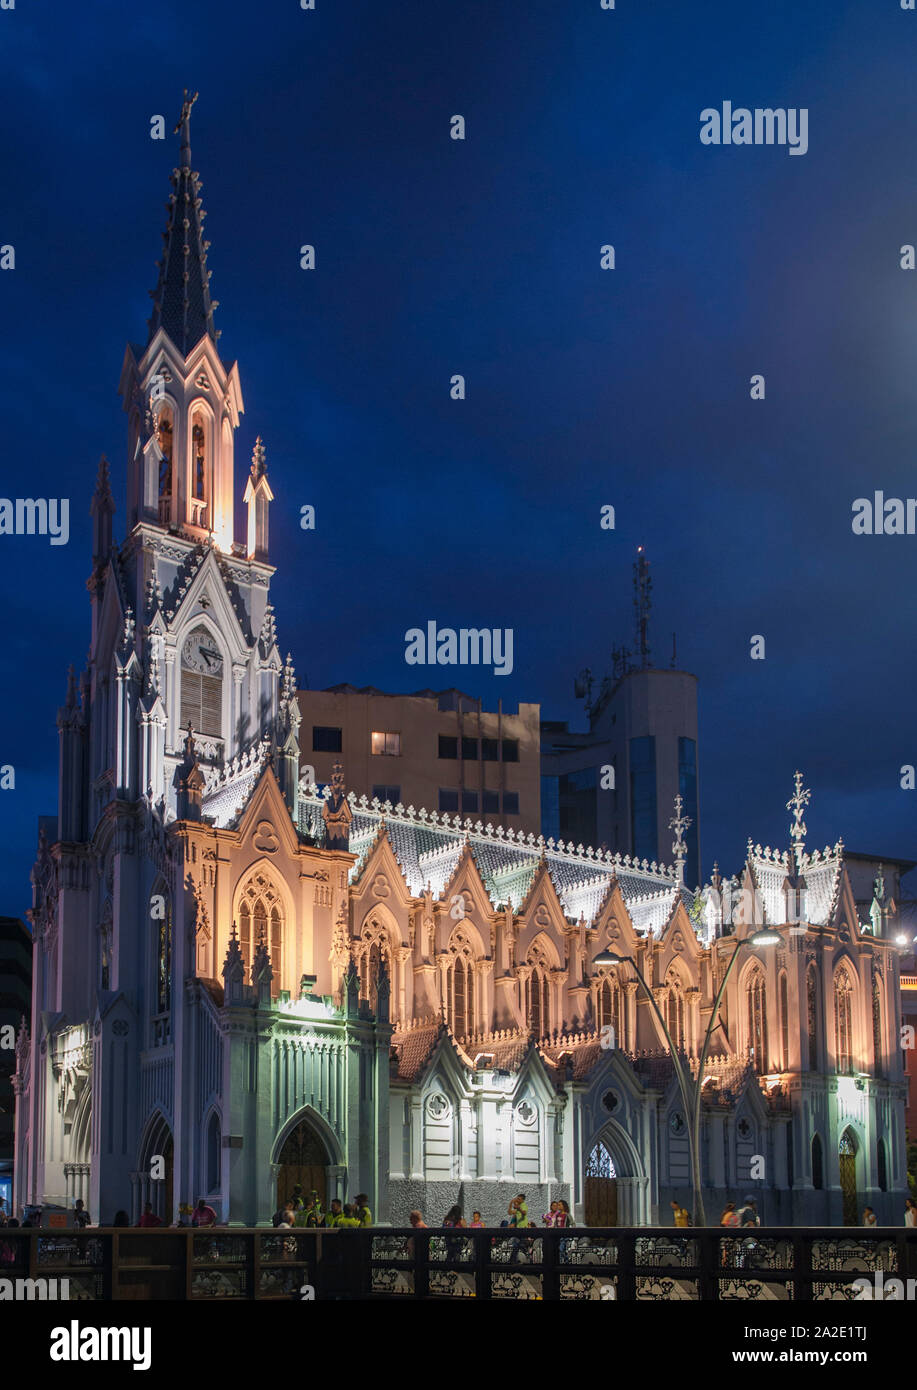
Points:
[[526, 842], [239, 766], [184, 576]]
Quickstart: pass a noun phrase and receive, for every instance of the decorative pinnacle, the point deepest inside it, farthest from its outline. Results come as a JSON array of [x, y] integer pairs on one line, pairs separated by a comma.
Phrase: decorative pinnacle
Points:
[[797, 804], [184, 125], [679, 824], [259, 468]]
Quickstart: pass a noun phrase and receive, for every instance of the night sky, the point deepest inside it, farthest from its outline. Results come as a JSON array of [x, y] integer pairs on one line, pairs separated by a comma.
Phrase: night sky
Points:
[[584, 387]]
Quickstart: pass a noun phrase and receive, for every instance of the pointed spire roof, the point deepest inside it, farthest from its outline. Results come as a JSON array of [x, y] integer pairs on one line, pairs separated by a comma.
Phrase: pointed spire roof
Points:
[[181, 299]]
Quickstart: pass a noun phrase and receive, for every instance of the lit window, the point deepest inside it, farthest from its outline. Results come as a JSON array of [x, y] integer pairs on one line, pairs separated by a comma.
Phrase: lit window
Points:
[[386, 744]]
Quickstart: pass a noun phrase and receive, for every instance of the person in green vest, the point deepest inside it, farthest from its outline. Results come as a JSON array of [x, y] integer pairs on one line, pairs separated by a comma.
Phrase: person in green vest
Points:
[[350, 1220], [361, 1209], [314, 1216], [333, 1217]]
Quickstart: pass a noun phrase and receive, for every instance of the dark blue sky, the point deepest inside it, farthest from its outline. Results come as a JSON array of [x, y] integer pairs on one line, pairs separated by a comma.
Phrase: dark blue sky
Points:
[[482, 257]]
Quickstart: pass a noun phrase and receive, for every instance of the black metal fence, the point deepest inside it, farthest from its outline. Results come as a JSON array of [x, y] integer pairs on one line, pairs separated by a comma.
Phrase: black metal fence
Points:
[[644, 1264]]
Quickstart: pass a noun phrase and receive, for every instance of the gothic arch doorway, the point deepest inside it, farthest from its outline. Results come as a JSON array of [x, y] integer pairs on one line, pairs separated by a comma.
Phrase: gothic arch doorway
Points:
[[600, 1189], [847, 1165], [303, 1159], [158, 1191]]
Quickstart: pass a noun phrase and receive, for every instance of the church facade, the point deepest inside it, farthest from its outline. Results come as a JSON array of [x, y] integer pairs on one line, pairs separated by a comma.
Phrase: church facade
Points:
[[240, 983]]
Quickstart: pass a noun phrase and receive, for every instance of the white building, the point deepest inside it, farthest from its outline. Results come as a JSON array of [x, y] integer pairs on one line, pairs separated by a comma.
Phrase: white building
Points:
[[195, 1013]]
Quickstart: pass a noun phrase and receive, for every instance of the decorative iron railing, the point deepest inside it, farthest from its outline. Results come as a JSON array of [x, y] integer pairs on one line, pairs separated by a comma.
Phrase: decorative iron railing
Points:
[[578, 1264]]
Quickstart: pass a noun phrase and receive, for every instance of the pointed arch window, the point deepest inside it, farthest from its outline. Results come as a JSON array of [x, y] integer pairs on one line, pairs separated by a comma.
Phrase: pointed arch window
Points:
[[600, 1163], [198, 460], [878, 1050], [843, 1021], [818, 1166], [675, 1009], [610, 1012], [460, 985], [161, 916], [373, 953], [537, 1003], [164, 442], [260, 918], [757, 1021], [784, 1024], [812, 1017]]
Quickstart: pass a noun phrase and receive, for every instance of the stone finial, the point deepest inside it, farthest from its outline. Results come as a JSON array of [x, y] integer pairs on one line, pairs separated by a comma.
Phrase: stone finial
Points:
[[259, 466], [679, 823], [797, 804]]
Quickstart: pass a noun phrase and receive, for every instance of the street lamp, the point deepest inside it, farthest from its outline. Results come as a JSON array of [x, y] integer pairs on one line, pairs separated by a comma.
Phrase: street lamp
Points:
[[692, 1103]]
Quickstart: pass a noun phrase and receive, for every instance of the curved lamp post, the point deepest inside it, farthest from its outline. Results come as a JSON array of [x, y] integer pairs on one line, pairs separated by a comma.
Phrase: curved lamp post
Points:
[[692, 1100]]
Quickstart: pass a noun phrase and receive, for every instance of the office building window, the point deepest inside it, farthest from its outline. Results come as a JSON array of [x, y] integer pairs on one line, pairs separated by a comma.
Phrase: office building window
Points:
[[576, 799], [687, 785], [325, 740], [643, 798], [384, 793], [490, 801], [469, 801], [448, 799], [510, 750], [550, 807], [511, 803], [387, 744], [469, 749], [490, 750], [448, 747]]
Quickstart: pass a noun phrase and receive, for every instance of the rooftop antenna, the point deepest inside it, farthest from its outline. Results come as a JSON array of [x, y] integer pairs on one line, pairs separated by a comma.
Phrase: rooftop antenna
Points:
[[674, 653], [642, 587]]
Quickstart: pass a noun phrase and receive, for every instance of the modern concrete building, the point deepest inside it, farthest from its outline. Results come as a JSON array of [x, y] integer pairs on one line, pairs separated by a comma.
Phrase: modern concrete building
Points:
[[437, 750], [615, 785]]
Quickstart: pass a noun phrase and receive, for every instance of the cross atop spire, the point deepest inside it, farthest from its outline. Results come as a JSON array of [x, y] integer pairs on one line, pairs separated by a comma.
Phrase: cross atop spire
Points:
[[797, 804], [181, 299]]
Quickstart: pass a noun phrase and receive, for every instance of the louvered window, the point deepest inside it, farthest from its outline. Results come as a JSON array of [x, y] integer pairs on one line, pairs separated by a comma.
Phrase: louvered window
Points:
[[201, 699]]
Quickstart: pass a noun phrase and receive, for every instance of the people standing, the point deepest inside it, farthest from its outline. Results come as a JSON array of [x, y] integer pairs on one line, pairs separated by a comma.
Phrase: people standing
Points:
[[80, 1214], [729, 1216], [680, 1214], [149, 1217], [518, 1211], [333, 1217], [362, 1211], [203, 1215], [476, 1221], [869, 1217], [910, 1212]]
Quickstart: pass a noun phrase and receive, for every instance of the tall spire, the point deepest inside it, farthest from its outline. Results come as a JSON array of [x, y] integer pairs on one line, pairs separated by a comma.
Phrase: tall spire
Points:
[[181, 299]]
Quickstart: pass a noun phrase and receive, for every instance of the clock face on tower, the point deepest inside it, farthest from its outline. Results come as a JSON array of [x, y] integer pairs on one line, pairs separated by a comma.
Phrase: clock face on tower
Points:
[[200, 653]]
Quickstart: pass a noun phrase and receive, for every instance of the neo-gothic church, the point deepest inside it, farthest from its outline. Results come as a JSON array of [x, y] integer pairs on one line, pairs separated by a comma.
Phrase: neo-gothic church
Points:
[[240, 983]]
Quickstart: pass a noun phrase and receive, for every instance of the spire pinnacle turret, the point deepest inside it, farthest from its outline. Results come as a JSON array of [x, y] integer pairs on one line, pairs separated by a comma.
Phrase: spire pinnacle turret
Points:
[[181, 299]]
